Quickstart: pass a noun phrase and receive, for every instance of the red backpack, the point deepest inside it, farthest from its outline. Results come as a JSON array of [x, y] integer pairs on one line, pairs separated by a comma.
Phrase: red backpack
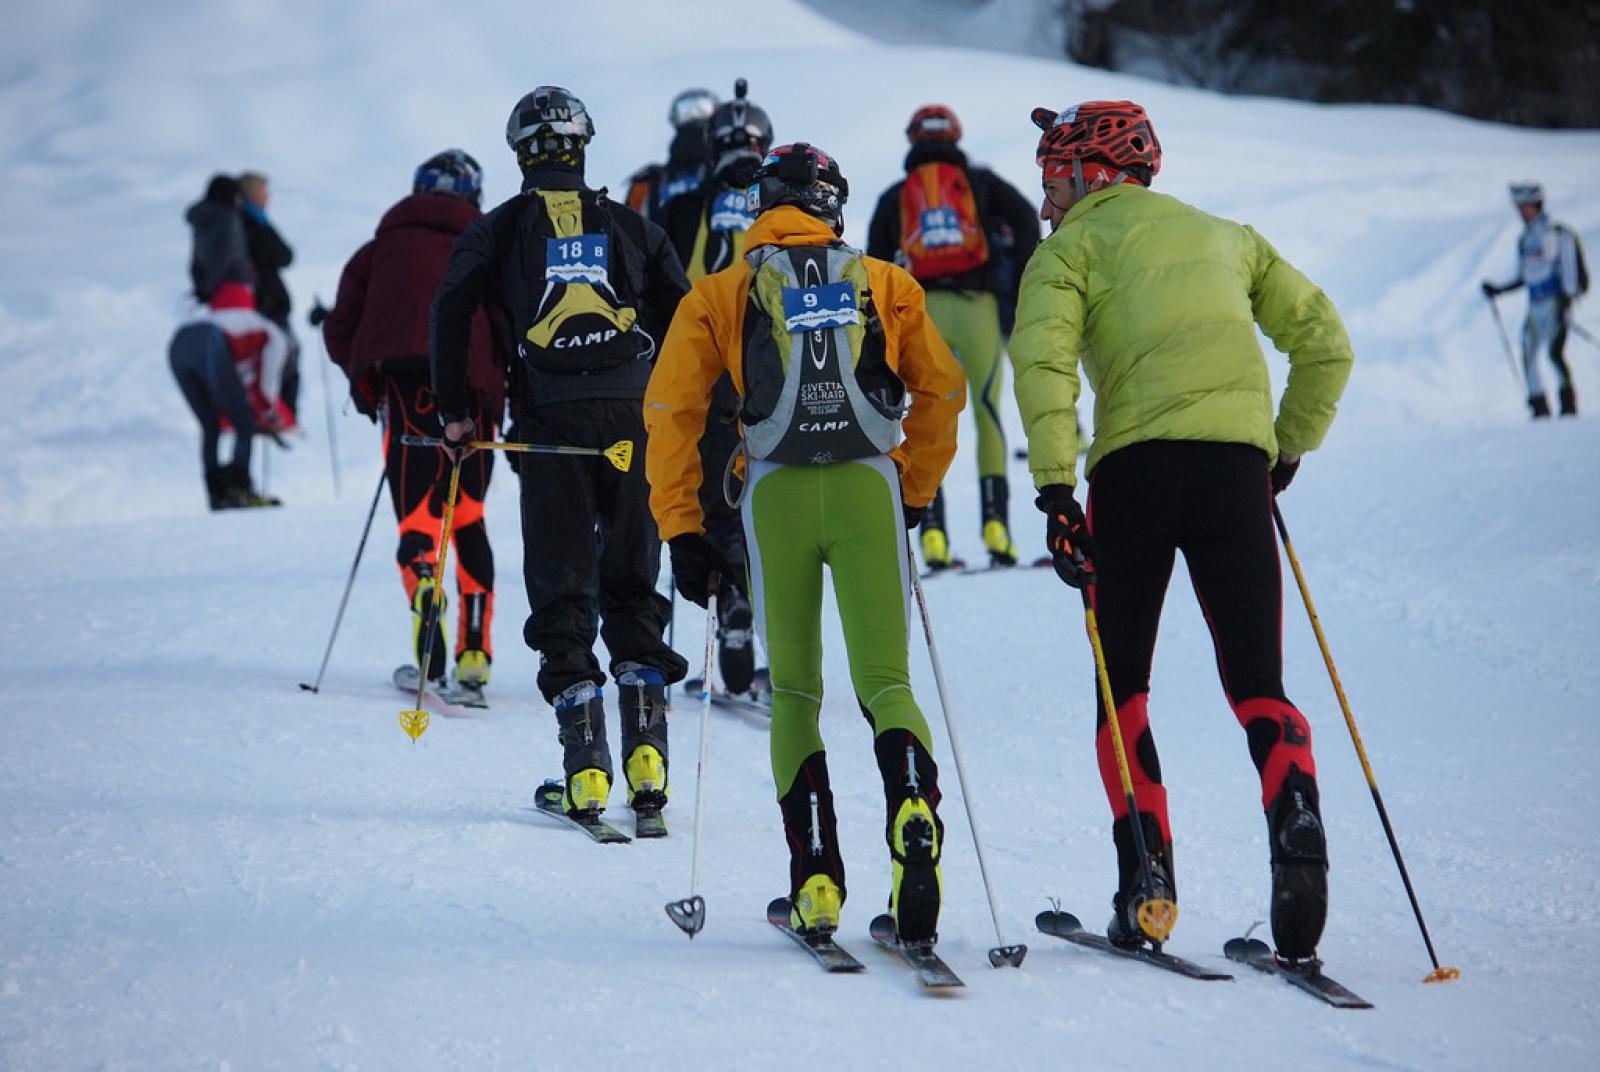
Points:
[[940, 233]]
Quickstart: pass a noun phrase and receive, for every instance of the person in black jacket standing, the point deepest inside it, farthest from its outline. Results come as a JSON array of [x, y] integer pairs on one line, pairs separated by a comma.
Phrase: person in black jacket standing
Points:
[[588, 287], [963, 232], [270, 255]]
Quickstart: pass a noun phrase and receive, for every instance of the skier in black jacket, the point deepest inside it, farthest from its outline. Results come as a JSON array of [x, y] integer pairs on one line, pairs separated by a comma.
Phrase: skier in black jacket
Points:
[[964, 233], [588, 287]]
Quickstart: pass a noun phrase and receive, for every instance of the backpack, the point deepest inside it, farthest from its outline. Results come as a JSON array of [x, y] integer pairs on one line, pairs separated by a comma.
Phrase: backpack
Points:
[[1583, 267], [940, 233], [817, 385], [586, 318]]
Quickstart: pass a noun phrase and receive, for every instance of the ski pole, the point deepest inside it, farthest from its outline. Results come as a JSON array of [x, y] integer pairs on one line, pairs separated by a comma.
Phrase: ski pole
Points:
[[1505, 340], [1002, 953], [1157, 915], [327, 407], [690, 913], [1583, 333], [672, 621], [619, 454], [1439, 974], [348, 584], [415, 720]]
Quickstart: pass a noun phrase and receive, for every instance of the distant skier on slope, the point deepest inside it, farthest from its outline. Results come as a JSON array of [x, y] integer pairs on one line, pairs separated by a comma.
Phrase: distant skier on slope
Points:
[[1550, 264], [653, 187], [1160, 302], [824, 344], [228, 360], [377, 332], [219, 251], [937, 223], [589, 287], [707, 227]]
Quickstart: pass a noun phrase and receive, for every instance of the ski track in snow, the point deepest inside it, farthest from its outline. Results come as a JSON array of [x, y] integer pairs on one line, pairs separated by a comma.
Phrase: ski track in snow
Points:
[[202, 866]]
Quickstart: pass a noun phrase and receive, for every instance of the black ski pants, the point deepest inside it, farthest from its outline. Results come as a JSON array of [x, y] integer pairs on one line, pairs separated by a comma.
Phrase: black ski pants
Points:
[[591, 550], [1213, 502], [203, 366]]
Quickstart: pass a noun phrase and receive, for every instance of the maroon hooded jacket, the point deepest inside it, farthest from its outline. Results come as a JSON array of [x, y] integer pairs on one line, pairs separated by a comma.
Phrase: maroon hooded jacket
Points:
[[386, 298]]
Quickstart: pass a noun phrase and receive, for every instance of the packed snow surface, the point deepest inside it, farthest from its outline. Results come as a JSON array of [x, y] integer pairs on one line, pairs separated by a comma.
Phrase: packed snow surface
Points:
[[204, 867]]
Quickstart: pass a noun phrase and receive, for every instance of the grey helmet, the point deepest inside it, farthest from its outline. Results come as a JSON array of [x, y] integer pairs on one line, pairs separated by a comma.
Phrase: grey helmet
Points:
[[690, 106], [1527, 193], [549, 112]]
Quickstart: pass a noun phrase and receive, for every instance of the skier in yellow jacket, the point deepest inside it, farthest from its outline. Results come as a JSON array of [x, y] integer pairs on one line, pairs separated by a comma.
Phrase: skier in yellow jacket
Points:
[[1160, 304], [825, 346]]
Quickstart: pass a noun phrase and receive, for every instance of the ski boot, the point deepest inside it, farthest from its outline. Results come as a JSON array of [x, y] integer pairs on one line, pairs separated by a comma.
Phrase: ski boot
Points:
[[1299, 867], [238, 493], [1539, 405], [586, 760], [915, 835], [935, 544], [995, 495], [473, 660], [1569, 402], [642, 700], [736, 654], [816, 870], [428, 644], [1124, 929]]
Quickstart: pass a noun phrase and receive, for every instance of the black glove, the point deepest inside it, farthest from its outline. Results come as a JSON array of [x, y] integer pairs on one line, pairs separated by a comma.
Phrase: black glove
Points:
[[317, 314], [694, 561], [1490, 291], [913, 514], [456, 446], [1066, 535], [1283, 472]]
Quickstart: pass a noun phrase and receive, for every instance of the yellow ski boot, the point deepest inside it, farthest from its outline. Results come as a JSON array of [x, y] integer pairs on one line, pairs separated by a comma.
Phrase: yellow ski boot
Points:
[[472, 668], [646, 772], [935, 549], [587, 791], [997, 538], [815, 907], [915, 888], [426, 592]]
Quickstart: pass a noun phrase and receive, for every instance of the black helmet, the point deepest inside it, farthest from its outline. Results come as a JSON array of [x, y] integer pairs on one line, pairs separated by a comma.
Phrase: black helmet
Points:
[[452, 172], [690, 106], [801, 175], [549, 112], [739, 130]]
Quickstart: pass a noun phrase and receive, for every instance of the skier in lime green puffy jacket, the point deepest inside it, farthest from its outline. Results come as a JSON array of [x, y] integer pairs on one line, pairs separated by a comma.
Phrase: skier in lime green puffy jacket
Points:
[[1160, 303]]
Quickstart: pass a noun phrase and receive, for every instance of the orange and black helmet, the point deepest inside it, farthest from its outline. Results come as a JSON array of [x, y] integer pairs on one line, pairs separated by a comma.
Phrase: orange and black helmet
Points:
[[1116, 133], [933, 122]]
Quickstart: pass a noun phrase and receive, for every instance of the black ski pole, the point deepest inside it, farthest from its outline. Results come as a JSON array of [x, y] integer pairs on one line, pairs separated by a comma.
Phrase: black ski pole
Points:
[[1505, 340], [1439, 974], [349, 583]]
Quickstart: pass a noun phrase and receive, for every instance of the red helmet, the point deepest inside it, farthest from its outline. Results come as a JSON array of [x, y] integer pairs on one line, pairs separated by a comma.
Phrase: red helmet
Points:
[[1117, 133], [933, 122]]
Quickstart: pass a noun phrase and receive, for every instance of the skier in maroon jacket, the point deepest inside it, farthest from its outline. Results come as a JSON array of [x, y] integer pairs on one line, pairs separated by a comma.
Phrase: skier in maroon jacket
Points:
[[377, 332]]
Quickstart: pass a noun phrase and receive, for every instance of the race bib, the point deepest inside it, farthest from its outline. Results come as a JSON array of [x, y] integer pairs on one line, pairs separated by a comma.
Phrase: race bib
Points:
[[580, 259], [941, 226], [815, 308], [730, 211]]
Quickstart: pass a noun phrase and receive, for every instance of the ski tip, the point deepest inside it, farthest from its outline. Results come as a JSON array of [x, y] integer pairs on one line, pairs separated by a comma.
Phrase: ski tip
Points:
[[1002, 956], [1053, 919], [689, 914]]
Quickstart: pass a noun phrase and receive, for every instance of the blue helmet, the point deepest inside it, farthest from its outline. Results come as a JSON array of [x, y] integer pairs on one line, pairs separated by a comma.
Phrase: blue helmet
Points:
[[452, 172]]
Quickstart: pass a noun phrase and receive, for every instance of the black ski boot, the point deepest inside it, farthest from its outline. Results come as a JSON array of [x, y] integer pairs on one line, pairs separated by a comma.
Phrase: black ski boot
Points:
[[1299, 867], [816, 870], [642, 704], [1569, 402], [586, 759], [1124, 929], [736, 653], [914, 832], [1540, 406]]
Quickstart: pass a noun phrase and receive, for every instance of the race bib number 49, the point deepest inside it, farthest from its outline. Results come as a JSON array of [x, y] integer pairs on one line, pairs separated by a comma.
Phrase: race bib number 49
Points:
[[581, 259], [730, 211], [814, 308]]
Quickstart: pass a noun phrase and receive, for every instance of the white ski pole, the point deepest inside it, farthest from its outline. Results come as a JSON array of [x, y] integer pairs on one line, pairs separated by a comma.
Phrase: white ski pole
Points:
[[690, 913]]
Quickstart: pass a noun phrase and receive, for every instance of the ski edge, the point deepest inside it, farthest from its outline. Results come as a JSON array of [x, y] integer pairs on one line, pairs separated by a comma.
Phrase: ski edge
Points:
[[599, 830], [931, 970], [1065, 925], [827, 953], [1258, 955]]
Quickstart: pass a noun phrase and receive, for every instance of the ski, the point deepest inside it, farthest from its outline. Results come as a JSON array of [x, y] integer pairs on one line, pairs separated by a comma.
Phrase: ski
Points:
[[548, 801], [1065, 925], [932, 972], [997, 567], [758, 701], [955, 565], [1307, 975], [829, 955], [649, 824], [406, 677]]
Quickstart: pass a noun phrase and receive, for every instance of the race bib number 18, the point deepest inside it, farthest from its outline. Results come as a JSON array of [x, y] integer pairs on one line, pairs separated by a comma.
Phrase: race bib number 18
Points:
[[580, 259], [814, 308]]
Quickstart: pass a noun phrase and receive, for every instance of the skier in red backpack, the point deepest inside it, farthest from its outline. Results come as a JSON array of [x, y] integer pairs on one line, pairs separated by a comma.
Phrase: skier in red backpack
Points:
[[941, 224]]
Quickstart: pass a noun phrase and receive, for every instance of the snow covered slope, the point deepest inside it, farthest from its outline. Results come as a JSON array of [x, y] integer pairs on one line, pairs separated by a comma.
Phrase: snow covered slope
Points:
[[202, 866]]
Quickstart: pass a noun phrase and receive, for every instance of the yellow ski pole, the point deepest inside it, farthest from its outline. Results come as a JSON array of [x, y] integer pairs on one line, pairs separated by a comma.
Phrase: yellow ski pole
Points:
[[619, 454], [1439, 974], [1157, 915], [415, 720]]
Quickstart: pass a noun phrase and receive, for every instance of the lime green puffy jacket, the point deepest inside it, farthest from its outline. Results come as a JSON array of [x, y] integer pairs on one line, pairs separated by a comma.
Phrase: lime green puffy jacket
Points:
[[1160, 302]]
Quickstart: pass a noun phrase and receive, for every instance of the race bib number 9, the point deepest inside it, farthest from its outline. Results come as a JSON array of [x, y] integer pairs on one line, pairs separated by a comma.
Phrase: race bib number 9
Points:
[[580, 259], [815, 308], [730, 211], [941, 227]]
